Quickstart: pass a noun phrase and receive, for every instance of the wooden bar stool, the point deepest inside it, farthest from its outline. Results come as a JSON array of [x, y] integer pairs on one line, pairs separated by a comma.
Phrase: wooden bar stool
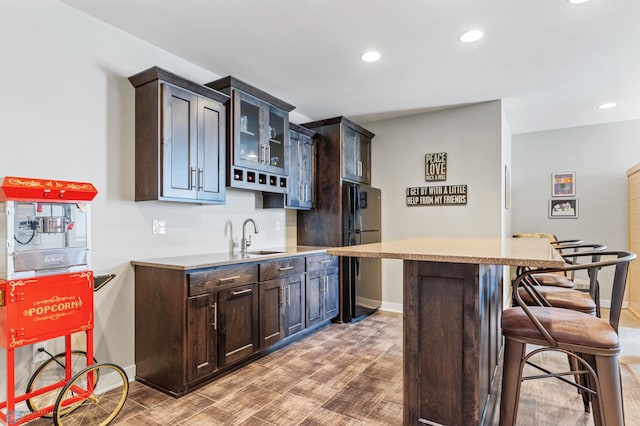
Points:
[[590, 341]]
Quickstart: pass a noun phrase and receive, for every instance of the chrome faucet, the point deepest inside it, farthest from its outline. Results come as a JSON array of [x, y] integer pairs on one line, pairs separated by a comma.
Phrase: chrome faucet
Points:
[[246, 242]]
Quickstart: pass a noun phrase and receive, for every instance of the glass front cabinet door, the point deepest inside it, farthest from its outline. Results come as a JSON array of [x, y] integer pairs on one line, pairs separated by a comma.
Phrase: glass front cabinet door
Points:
[[259, 137]]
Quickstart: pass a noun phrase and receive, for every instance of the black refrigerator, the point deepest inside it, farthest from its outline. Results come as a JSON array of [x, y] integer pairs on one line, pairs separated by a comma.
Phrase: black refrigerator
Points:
[[361, 277]]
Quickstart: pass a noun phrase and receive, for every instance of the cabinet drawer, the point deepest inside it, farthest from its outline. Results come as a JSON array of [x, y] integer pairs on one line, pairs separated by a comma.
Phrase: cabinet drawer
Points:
[[281, 268], [210, 280], [321, 261]]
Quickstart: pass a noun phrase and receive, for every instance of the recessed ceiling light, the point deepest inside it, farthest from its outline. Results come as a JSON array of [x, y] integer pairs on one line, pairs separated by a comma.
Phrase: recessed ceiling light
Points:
[[577, 1], [607, 105], [471, 36], [371, 56]]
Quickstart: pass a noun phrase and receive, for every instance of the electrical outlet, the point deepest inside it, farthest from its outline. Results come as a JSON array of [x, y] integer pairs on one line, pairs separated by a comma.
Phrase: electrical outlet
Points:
[[159, 226], [39, 356], [277, 225]]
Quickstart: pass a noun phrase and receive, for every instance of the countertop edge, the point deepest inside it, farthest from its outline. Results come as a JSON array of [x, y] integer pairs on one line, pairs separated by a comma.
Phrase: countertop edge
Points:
[[449, 258], [183, 263]]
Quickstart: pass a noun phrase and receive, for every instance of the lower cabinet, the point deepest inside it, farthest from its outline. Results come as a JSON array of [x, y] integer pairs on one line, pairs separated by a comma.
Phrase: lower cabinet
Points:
[[331, 294], [202, 350], [271, 312], [191, 326], [322, 299], [281, 299], [294, 304], [238, 323]]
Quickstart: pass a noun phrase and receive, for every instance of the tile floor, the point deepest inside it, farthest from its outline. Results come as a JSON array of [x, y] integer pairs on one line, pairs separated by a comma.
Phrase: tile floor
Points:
[[344, 374], [349, 374]]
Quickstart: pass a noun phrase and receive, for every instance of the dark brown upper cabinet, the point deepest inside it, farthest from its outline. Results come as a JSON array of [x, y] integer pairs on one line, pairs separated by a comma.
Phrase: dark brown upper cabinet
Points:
[[302, 161], [180, 139], [258, 137], [349, 145]]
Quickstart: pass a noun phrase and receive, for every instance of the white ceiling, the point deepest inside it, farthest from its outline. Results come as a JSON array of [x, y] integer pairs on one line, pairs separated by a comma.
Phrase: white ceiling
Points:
[[552, 62]]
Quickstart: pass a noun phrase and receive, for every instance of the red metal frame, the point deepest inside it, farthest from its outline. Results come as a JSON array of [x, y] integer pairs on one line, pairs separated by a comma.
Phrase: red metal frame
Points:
[[41, 308]]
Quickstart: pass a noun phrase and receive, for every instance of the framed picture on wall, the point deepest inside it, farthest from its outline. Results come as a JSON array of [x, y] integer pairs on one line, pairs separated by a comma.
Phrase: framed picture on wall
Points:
[[566, 208], [563, 184]]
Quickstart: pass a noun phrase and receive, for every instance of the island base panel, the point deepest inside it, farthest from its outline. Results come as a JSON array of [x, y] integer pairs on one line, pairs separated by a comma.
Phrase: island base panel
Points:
[[452, 342]]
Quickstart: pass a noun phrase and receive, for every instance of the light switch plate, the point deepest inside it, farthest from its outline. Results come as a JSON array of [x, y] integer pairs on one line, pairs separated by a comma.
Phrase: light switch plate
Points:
[[159, 226]]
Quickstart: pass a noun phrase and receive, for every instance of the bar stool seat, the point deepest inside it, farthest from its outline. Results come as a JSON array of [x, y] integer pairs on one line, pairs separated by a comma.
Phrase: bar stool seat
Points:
[[556, 280], [560, 297], [563, 325]]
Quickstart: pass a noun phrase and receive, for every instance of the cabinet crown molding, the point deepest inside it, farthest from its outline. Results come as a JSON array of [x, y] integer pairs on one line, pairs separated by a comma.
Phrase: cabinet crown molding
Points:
[[230, 82], [156, 73]]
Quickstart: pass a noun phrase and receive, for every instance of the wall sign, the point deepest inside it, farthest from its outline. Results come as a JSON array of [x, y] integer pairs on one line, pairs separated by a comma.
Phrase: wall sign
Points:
[[435, 167], [446, 195]]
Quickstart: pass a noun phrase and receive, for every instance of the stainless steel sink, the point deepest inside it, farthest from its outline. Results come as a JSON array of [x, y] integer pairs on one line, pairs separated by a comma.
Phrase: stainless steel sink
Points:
[[264, 252]]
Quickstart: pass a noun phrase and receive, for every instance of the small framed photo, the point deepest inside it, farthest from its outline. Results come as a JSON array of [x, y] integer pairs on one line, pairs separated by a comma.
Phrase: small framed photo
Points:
[[563, 184], [566, 208]]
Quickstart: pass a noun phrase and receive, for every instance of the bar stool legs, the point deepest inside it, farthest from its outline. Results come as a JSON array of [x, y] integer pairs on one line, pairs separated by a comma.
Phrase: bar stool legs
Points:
[[514, 353], [600, 378], [610, 405]]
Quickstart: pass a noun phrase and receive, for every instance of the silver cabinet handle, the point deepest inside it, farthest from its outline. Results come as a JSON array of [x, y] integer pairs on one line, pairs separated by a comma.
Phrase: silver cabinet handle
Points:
[[288, 295], [325, 261], [200, 179], [245, 291], [215, 316], [229, 279], [286, 268], [192, 181]]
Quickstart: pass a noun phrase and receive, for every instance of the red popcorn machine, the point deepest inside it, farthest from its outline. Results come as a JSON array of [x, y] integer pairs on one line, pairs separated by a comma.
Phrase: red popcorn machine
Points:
[[46, 281]]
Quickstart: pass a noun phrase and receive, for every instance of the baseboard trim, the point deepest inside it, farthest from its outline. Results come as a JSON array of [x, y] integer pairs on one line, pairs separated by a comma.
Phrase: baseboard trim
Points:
[[391, 307]]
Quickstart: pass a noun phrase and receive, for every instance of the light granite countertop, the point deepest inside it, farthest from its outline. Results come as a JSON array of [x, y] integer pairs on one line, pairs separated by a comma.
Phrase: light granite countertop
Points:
[[534, 252], [210, 260]]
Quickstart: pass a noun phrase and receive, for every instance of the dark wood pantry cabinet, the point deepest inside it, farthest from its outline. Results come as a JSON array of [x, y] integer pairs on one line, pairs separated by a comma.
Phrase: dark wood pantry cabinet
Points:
[[180, 139], [258, 137], [349, 145], [335, 151]]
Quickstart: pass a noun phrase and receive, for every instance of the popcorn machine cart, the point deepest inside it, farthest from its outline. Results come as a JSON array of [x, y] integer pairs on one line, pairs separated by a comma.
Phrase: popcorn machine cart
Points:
[[46, 291]]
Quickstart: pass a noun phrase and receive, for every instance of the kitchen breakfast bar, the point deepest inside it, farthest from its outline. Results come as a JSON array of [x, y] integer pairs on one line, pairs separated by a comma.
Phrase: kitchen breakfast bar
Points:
[[452, 303]]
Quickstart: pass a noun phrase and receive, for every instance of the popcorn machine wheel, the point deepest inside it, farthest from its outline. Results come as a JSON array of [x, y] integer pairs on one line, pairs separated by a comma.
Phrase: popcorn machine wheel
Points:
[[46, 291]]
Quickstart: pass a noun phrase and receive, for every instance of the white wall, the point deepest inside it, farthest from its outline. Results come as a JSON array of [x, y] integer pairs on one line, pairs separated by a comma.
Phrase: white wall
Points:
[[472, 138], [67, 112], [600, 155]]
